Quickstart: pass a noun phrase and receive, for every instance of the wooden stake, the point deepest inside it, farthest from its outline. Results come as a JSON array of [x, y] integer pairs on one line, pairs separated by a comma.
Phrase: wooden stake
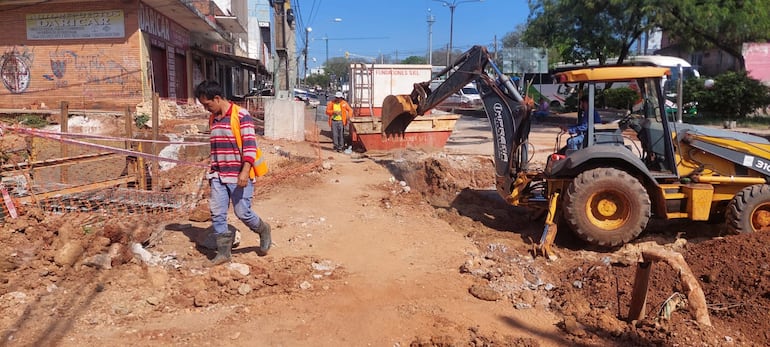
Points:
[[65, 111], [155, 167], [639, 293], [129, 127]]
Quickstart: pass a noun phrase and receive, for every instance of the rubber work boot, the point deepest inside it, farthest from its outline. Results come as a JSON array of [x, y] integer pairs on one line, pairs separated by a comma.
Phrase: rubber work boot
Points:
[[224, 246], [264, 238]]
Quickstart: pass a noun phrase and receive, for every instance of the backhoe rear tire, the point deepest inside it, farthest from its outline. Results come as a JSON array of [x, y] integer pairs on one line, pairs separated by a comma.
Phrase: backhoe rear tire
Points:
[[606, 207], [749, 210]]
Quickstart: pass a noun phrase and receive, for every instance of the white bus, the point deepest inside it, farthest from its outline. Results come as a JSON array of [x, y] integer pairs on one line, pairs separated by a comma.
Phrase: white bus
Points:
[[557, 94], [673, 63], [646, 60]]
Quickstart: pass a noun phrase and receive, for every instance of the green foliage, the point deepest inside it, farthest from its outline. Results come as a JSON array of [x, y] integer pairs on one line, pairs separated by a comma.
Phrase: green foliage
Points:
[[515, 38], [571, 103], [337, 68], [622, 98], [318, 80], [734, 95], [587, 29], [414, 60], [33, 121], [141, 120], [724, 24]]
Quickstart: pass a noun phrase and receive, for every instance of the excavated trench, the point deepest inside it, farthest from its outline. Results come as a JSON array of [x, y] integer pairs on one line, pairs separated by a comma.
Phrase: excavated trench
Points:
[[596, 287], [462, 189]]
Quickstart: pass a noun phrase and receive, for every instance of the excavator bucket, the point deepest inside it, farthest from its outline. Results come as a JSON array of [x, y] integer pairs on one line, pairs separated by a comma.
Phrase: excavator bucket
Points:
[[549, 232], [397, 112]]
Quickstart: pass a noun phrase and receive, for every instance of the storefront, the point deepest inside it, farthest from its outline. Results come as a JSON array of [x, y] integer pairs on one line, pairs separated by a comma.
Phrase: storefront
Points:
[[234, 73], [168, 44], [112, 54], [88, 56]]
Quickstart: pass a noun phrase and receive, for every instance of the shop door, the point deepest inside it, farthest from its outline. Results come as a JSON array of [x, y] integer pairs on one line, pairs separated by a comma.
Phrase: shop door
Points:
[[181, 77], [159, 71]]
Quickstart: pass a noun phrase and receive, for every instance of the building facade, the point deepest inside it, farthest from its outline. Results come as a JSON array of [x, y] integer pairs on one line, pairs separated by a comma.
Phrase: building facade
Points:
[[259, 36], [116, 53]]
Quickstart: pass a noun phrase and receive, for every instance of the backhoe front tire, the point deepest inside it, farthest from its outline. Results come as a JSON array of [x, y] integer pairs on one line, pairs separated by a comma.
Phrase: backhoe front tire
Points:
[[606, 207], [749, 210]]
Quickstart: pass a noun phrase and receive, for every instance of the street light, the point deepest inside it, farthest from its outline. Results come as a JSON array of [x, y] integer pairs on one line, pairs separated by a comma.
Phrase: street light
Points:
[[335, 20], [307, 34], [452, 5]]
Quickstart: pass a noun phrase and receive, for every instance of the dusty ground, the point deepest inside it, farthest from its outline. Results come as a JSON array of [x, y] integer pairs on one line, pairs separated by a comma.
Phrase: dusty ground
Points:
[[363, 259]]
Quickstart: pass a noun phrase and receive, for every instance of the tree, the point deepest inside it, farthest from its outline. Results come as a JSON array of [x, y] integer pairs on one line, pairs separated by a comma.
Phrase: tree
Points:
[[318, 80], [621, 98], [515, 38], [337, 69], [733, 96], [439, 56], [587, 29], [414, 60], [724, 24]]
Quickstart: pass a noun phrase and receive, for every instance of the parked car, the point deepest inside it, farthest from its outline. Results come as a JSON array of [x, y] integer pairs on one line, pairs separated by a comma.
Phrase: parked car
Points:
[[466, 99], [310, 99]]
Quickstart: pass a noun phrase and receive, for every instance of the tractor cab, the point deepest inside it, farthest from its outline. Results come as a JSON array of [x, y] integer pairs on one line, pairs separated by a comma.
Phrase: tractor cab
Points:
[[639, 131]]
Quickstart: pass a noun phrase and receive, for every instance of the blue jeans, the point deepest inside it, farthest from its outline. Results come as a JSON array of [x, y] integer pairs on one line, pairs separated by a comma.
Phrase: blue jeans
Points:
[[219, 203], [575, 142]]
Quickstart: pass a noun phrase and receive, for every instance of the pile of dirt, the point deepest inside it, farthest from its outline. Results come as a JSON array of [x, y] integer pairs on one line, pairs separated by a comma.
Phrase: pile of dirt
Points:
[[732, 271], [101, 271], [592, 290], [86, 278]]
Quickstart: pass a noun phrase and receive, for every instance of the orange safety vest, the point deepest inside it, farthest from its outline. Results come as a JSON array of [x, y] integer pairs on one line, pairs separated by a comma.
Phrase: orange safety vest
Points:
[[259, 168], [344, 107]]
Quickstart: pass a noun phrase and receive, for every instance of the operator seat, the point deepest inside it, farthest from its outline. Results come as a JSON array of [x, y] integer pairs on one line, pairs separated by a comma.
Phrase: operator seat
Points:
[[651, 137]]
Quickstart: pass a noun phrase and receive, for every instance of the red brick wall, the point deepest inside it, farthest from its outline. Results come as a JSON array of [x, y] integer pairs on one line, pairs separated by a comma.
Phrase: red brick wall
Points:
[[88, 73]]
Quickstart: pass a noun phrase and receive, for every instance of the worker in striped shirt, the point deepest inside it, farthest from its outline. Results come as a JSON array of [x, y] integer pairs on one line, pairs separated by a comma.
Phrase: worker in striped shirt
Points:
[[229, 173]]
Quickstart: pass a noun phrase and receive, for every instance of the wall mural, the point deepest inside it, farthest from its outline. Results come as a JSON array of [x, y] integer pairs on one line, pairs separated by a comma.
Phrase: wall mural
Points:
[[15, 70], [69, 69], [93, 71], [59, 60]]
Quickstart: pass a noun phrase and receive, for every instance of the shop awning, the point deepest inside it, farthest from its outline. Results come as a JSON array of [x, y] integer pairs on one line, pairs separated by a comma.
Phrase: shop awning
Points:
[[186, 15], [248, 63]]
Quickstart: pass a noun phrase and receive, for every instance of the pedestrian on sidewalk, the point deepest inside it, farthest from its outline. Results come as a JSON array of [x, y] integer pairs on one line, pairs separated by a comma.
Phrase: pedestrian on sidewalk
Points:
[[339, 111], [542, 109], [229, 172]]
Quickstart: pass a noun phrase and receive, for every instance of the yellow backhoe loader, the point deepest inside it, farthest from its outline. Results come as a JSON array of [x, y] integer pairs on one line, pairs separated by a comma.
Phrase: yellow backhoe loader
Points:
[[643, 166]]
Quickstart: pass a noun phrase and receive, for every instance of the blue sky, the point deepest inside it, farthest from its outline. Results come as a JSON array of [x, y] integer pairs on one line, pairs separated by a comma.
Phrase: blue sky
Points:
[[399, 28]]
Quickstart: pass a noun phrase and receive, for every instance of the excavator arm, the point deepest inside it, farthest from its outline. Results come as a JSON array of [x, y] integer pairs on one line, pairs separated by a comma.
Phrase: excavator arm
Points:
[[508, 113], [400, 110], [507, 110]]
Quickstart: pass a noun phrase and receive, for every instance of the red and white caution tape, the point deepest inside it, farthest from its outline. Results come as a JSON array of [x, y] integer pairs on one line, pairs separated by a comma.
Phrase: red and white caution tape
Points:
[[58, 137]]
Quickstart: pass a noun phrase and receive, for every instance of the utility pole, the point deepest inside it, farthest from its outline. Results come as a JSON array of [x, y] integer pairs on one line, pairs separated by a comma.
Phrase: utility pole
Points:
[[304, 52], [285, 49], [431, 20], [495, 47], [326, 62], [452, 6]]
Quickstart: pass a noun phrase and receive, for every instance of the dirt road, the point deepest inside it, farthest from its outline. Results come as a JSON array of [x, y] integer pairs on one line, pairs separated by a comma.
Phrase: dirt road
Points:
[[361, 258]]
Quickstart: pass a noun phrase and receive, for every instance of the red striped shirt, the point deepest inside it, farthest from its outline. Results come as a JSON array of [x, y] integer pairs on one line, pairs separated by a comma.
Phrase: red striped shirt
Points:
[[226, 158]]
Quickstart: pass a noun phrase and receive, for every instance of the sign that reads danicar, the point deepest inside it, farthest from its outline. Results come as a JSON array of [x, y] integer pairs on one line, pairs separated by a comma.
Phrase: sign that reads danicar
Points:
[[76, 25]]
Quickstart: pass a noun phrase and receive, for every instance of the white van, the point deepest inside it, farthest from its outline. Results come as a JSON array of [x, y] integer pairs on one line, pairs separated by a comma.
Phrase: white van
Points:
[[466, 99]]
